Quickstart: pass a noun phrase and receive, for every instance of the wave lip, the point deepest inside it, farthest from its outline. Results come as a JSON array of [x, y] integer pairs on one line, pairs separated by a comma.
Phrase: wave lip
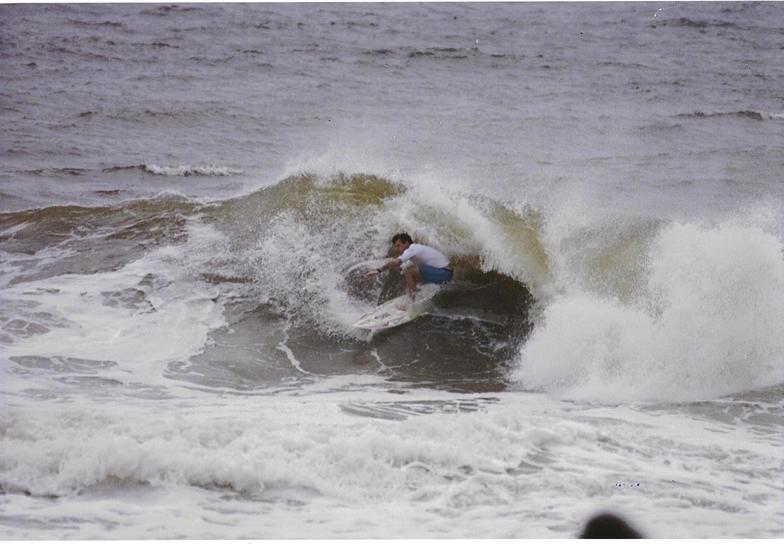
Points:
[[185, 170], [181, 170]]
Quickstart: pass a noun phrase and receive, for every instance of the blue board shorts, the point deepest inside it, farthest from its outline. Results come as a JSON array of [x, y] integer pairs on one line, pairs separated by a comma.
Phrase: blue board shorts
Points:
[[431, 274]]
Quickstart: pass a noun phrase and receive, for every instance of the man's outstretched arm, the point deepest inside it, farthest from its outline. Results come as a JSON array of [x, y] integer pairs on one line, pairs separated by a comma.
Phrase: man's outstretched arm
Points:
[[389, 265]]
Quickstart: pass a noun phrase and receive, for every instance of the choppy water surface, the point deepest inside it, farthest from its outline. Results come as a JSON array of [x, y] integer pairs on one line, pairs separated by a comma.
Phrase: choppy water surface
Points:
[[189, 196]]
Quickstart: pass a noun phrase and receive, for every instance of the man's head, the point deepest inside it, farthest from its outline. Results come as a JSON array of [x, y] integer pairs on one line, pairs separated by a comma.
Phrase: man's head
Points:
[[401, 241]]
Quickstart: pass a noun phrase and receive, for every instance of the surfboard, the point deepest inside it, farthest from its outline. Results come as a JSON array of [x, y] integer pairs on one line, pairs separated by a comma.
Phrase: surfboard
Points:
[[388, 315]]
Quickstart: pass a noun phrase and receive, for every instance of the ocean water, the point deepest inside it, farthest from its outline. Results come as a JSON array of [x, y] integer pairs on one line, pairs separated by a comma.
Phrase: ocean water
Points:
[[190, 194]]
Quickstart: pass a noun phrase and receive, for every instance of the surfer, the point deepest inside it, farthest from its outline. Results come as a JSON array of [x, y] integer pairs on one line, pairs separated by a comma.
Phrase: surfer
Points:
[[432, 266]]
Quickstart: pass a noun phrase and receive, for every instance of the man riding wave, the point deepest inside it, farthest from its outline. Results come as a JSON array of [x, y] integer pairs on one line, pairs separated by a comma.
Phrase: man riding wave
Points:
[[419, 264]]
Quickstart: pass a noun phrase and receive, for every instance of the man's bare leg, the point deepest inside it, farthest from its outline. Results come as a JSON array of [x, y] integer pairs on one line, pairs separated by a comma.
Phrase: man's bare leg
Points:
[[411, 278]]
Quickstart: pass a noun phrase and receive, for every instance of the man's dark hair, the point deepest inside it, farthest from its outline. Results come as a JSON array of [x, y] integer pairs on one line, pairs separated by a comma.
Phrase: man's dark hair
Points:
[[403, 237]]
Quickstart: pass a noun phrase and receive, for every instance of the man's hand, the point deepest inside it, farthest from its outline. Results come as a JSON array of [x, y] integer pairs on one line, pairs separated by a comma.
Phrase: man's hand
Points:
[[388, 265]]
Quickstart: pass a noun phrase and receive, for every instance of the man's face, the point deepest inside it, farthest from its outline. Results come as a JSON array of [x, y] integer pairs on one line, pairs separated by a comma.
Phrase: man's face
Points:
[[401, 246]]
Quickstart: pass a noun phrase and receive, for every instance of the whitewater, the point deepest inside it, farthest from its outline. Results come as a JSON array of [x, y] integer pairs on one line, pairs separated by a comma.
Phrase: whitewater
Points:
[[190, 196]]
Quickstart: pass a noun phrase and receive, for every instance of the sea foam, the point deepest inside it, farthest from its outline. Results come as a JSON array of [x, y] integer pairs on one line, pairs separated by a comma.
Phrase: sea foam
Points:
[[288, 454]]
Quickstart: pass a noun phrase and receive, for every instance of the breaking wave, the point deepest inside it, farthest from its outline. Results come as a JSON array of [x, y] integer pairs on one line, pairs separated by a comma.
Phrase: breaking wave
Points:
[[610, 309], [703, 319]]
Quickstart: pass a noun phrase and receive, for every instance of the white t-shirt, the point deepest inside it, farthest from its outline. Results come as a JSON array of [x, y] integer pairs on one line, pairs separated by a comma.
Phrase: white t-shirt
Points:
[[419, 254]]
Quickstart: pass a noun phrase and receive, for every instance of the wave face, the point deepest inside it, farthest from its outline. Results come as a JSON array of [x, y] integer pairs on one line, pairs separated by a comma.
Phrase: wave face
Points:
[[705, 321], [304, 244]]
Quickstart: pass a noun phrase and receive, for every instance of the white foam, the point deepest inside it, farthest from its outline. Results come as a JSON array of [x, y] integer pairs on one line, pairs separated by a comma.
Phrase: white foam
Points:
[[286, 467], [172, 325], [709, 322]]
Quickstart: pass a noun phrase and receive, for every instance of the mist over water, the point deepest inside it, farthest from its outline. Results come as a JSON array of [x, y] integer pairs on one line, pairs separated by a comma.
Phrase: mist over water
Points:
[[190, 197]]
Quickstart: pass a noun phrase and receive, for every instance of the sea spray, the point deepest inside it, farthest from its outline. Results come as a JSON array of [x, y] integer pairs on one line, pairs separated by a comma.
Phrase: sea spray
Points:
[[710, 323]]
